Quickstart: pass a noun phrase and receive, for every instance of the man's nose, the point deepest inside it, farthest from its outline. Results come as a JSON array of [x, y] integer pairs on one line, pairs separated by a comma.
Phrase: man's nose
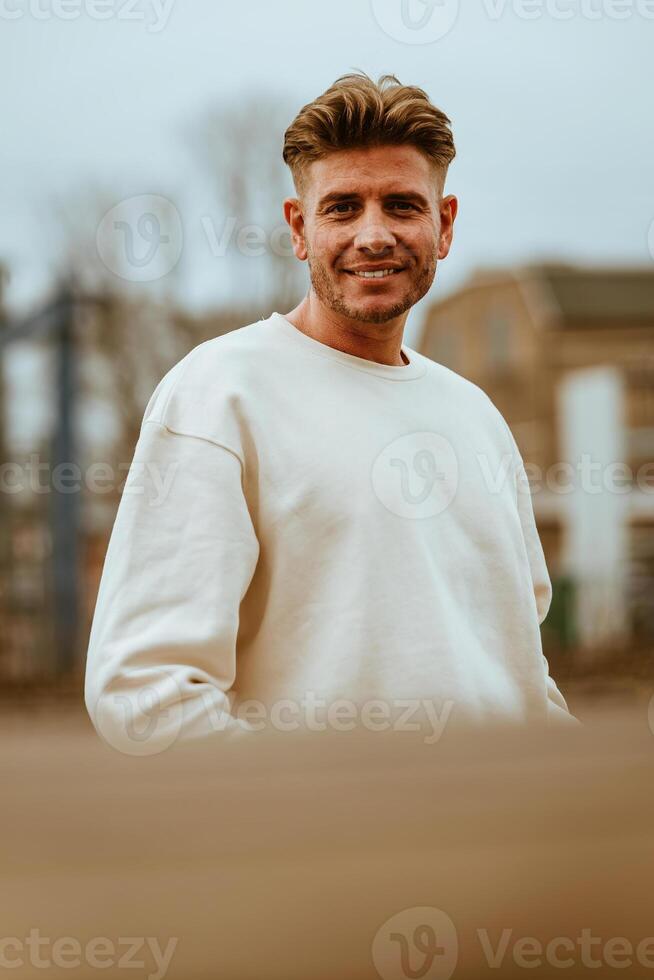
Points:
[[374, 234]]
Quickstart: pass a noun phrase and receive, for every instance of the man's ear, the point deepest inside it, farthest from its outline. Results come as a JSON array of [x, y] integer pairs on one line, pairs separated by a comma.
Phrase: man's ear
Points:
[[293, 213], [448, 212]]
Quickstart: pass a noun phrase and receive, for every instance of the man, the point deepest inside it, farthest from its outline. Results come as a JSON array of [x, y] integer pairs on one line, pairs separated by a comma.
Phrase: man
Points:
[[347, 537]]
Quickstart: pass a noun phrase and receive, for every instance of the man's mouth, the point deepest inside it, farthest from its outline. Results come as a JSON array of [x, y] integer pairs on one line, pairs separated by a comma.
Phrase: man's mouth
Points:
[[373, 274]]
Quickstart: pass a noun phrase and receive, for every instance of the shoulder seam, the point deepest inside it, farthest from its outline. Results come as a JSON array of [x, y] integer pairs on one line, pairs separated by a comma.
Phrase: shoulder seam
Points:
[[515, 451], [188, 358], [194, 435]]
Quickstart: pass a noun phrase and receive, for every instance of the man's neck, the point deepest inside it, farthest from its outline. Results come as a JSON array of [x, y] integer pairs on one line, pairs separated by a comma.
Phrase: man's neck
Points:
[[326, 327]]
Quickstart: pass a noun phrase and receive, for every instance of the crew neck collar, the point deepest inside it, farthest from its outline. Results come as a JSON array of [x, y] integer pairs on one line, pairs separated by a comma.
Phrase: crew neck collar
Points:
[[405, 372]]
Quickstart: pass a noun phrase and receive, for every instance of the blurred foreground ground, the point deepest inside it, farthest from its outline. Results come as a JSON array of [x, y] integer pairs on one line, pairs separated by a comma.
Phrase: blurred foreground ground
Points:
[[349, 855]]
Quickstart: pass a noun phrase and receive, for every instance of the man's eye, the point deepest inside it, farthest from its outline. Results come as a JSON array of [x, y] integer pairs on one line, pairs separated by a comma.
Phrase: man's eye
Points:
[[403, 204]]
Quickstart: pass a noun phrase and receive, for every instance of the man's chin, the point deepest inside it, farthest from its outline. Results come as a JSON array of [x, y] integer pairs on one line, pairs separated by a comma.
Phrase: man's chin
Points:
[[371, 309], [375, 311]]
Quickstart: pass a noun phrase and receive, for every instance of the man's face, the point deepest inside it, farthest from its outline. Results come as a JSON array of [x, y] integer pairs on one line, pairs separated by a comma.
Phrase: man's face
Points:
[[365, 209]]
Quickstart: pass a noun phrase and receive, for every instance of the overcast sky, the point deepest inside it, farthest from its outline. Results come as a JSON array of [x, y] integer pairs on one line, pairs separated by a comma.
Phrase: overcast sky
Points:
[[551, 104]]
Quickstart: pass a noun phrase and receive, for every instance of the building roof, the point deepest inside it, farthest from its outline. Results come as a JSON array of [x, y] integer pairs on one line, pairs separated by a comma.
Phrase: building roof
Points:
[[599, 292], [561, 293]]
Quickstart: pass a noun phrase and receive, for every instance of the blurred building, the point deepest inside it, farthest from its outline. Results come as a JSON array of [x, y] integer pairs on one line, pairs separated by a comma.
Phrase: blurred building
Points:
[[567, 355]]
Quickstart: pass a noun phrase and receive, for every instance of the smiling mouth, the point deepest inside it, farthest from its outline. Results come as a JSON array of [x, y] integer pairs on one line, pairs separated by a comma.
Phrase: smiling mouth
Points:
[[375, 276]]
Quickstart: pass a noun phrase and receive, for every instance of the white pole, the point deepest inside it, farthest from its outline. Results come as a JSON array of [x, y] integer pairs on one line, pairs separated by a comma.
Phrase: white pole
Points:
[[595, 539]]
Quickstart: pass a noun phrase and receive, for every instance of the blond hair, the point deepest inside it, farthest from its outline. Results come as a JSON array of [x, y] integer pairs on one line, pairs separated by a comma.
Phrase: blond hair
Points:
[[357, 112]]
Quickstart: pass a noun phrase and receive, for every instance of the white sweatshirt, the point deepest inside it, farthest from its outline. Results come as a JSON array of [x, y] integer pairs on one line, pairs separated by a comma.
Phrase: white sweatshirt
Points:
[[301, 530]]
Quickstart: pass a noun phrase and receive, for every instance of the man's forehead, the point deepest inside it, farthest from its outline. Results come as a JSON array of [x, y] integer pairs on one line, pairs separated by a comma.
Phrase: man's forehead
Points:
[[372, 171], [378, 163]]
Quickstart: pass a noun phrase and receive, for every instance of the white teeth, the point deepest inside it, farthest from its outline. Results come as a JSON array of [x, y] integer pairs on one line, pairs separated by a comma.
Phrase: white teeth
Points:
[[377, 274]]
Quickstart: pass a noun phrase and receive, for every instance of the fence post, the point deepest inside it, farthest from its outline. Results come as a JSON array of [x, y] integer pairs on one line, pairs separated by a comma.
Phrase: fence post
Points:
[[66, 490]]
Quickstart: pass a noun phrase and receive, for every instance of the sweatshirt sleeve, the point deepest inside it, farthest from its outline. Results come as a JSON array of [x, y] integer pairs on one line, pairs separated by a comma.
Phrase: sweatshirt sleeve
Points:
[[162, 649], [558, 711]]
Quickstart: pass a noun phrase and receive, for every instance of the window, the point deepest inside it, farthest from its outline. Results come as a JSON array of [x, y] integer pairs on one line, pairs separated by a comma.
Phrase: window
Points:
[[498, 341], [446, 346]]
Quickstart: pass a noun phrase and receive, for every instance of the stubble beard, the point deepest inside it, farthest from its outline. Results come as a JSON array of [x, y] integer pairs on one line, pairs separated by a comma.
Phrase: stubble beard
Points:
[[324, 285]]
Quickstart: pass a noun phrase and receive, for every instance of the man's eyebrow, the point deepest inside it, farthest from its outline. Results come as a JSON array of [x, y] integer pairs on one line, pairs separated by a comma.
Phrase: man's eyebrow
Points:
[[336, 196]]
